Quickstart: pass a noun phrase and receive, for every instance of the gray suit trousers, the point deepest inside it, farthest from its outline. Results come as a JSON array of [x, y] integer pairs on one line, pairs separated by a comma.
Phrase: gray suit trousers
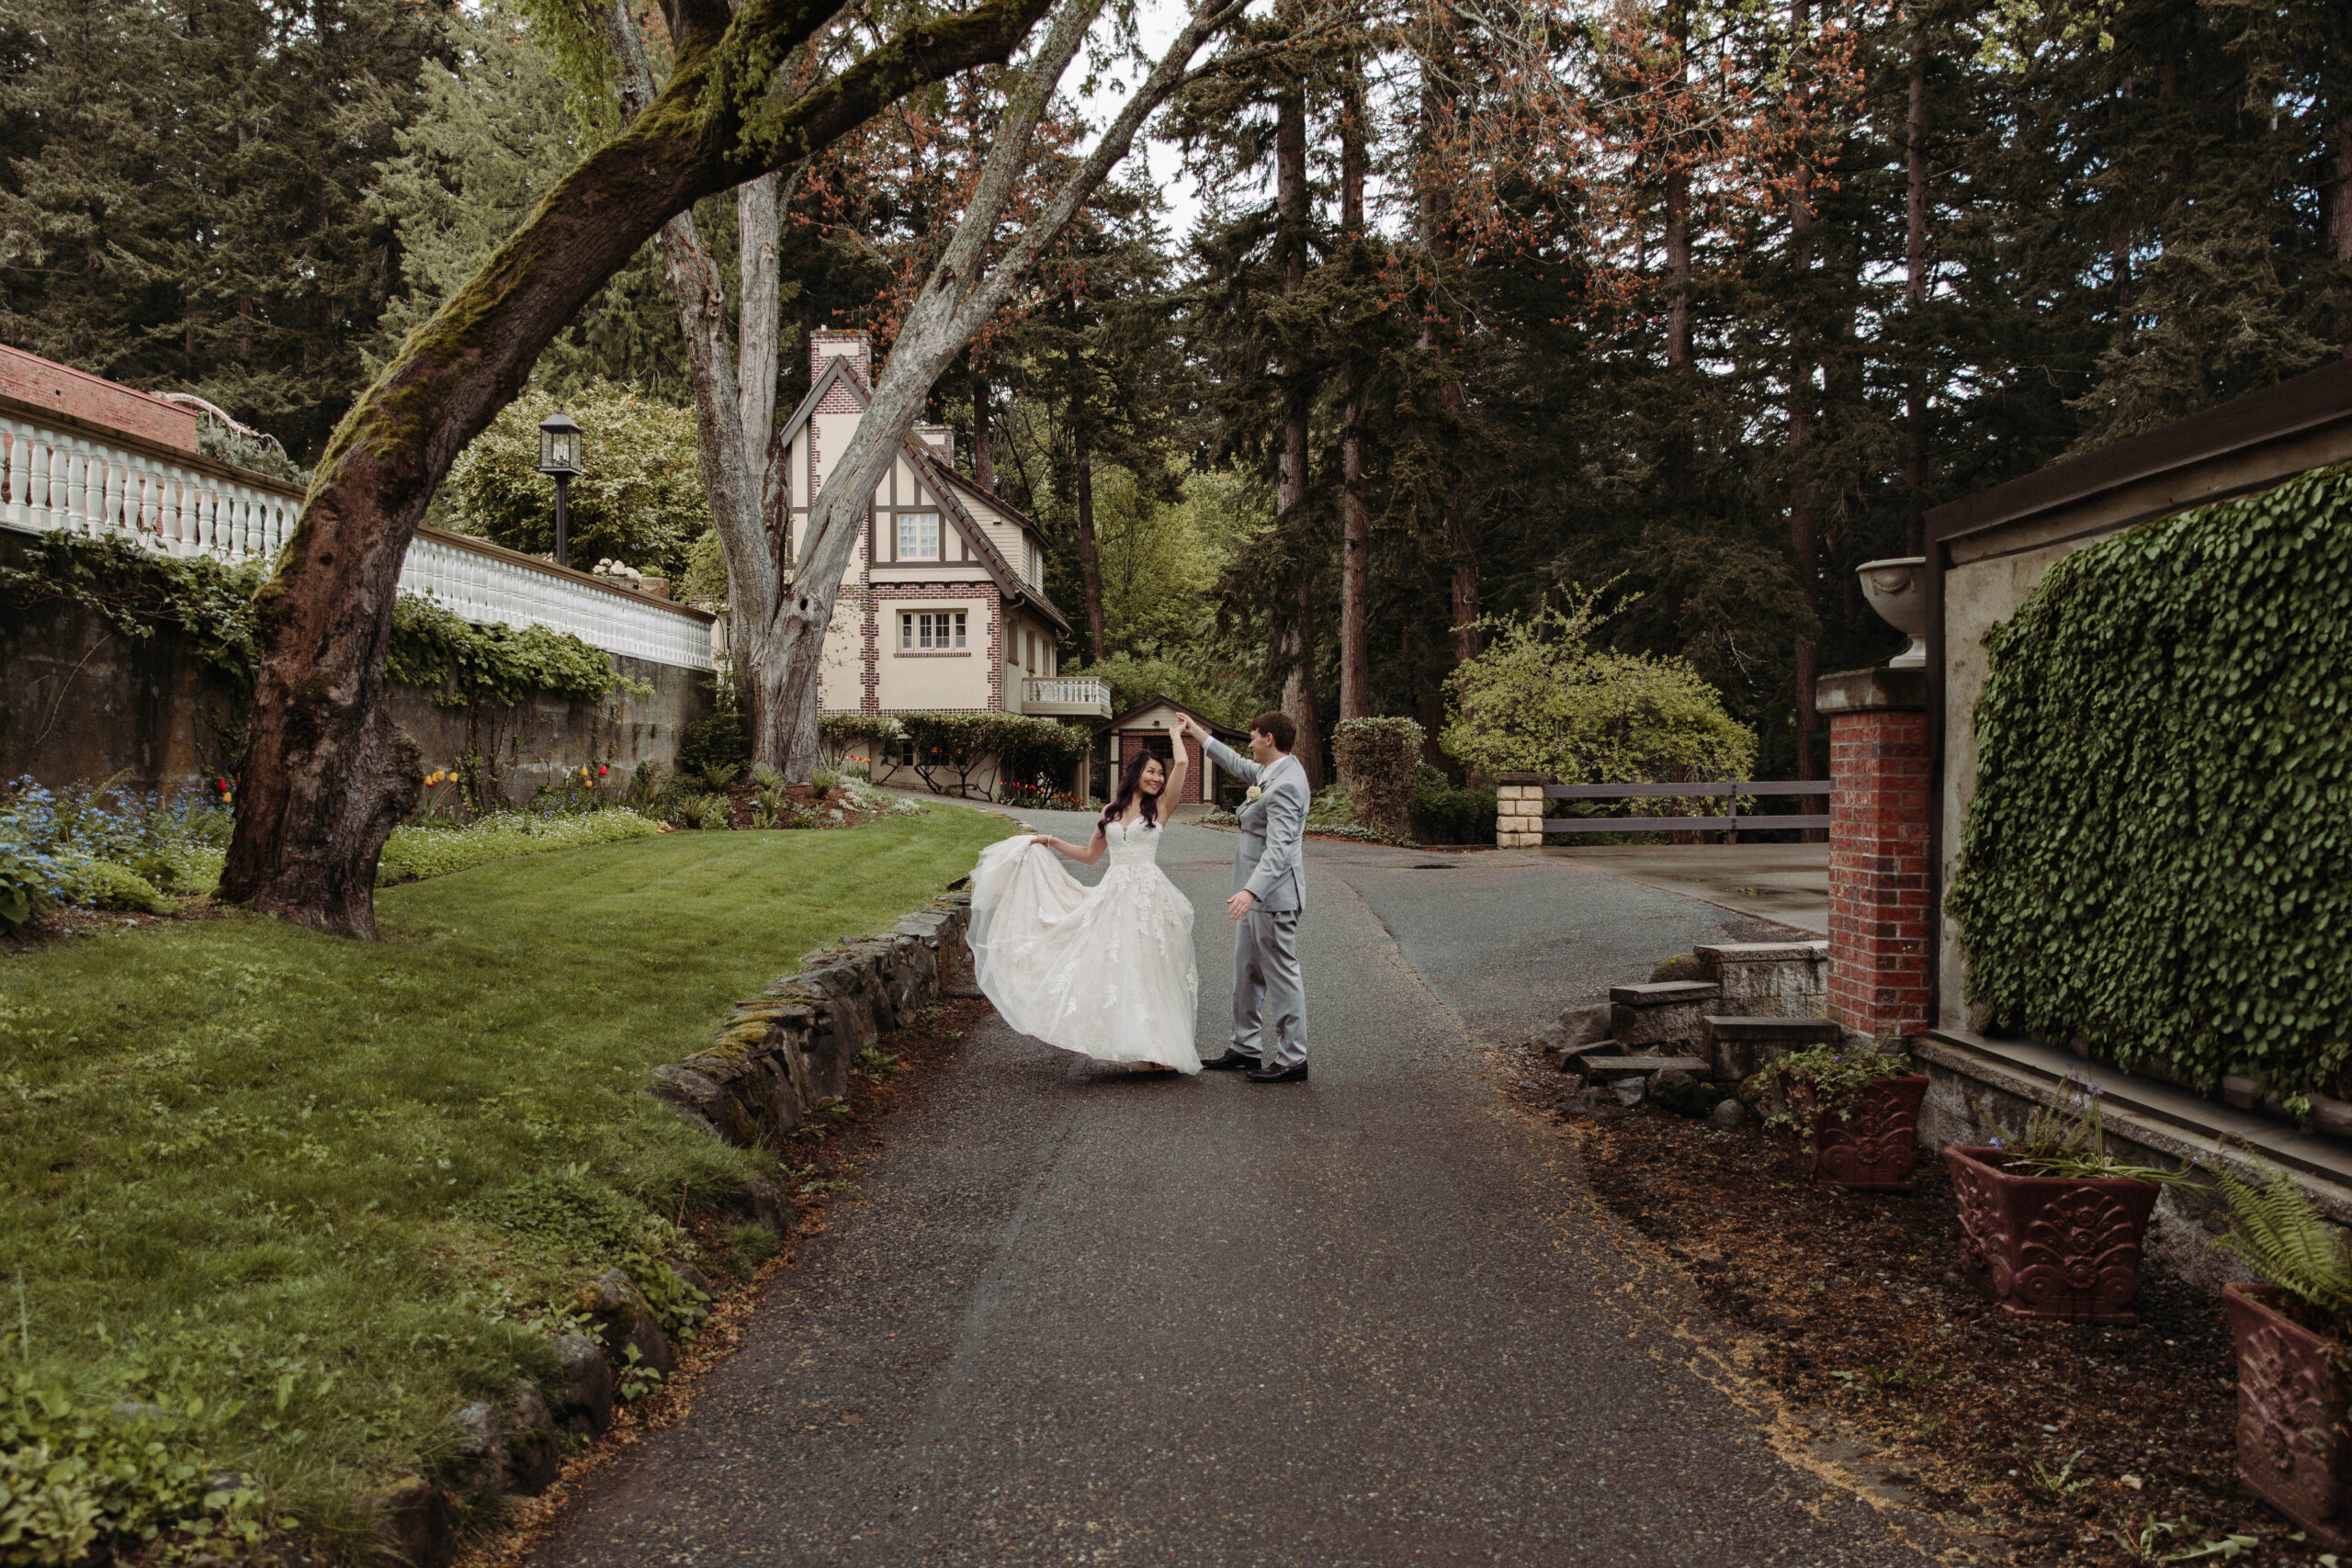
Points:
[[1269, 993]]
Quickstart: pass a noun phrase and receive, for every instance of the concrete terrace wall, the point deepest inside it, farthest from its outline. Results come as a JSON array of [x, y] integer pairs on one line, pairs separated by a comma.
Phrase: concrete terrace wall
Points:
[[82, 701]]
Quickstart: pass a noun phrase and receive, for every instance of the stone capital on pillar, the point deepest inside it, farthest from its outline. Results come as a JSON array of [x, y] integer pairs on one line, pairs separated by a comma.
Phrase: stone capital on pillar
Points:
[[1879, 809]]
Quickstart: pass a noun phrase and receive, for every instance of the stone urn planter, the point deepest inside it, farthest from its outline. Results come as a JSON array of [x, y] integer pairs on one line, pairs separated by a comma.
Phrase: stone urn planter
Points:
[[1897, 588], [2056, 1246], [1875, 1145], [2292, 1415]]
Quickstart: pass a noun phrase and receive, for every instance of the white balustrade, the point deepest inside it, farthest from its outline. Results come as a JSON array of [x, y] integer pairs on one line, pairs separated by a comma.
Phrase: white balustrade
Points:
[[1076, 691], [52, 479]]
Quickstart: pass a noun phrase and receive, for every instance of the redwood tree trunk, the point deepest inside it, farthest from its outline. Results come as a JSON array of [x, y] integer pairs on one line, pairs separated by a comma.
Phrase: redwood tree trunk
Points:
[[1915, 297], [1290, 480], [1355, 513], [325, 773], [1090, 559], [1436, 206], [1804, 516], [1679, 453]]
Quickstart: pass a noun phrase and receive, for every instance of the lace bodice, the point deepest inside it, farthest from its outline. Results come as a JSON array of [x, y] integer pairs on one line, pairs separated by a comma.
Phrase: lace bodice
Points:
[[1139, 845]]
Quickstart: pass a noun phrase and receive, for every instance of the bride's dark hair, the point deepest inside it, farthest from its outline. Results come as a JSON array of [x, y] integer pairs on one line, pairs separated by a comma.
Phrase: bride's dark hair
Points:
[[1131, 785]]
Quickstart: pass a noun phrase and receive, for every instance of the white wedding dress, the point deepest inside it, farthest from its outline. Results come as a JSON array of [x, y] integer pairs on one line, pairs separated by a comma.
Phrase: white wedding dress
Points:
[[1105, 970]]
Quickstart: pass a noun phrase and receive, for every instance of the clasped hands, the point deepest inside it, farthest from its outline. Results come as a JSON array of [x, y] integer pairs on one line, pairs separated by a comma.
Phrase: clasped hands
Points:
[[1241, 902]]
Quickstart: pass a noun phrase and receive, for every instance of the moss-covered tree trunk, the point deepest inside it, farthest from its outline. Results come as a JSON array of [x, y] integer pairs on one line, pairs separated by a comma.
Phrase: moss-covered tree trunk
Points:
[[327, 772]]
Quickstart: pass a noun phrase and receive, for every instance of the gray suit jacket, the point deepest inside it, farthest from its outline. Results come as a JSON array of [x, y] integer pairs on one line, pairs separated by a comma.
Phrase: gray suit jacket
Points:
[[1270, 862]]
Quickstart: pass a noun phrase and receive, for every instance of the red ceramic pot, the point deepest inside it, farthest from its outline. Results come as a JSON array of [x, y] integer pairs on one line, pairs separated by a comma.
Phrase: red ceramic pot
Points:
[[1875, 1146], [2051, 1246], [2292, 1417]]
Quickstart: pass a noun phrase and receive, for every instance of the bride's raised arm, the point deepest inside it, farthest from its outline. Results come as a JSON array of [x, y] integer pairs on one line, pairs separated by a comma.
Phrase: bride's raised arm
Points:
[[1173, 791]]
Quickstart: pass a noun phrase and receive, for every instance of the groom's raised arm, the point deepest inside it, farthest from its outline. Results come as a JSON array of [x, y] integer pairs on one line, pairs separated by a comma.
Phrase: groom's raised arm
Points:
[[1231, 760]]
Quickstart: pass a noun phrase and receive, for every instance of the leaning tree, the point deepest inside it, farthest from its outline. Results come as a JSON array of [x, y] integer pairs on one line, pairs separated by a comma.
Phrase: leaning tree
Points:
[[976, 272], [326, 771]]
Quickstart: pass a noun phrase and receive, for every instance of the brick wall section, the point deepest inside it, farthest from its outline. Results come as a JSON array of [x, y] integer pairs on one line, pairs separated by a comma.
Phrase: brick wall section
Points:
[[1878, 765], [1131, 743], [61, 389]]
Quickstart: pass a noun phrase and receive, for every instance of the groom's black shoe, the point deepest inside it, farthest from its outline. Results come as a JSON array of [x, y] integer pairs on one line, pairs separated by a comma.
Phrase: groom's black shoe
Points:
[[1233, 1061], [1280, 1075]]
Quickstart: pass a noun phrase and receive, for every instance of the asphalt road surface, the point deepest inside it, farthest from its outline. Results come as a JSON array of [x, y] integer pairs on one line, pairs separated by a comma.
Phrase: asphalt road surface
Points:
[[1085, 1317]]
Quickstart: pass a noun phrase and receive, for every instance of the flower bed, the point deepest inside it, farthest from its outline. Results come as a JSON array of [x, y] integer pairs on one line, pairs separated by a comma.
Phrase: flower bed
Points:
[[2065, 1444]]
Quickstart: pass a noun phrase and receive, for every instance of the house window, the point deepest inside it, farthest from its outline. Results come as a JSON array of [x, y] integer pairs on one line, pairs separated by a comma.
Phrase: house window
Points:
[[918, 536], [930, 631]]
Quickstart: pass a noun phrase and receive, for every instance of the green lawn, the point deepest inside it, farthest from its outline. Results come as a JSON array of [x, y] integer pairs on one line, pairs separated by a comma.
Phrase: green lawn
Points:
[[318, 1190]]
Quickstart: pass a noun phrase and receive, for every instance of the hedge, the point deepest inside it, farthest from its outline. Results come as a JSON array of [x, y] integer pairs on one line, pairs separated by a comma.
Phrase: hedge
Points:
[[2158, 858], [1015, 746], [1380, 759]]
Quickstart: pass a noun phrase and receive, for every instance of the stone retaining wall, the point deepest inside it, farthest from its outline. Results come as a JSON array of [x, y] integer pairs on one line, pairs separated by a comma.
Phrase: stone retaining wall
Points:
[[779, 1057], [80, 701]]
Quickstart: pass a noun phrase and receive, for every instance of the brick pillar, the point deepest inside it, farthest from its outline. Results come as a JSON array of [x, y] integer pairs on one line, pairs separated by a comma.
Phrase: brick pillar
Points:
[[1519, 811], [1879, 768]]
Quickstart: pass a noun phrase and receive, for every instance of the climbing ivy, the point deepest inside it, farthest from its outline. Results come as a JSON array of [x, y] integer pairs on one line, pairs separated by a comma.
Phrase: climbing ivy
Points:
[[462, 663], [135, 592], [2158, 859]]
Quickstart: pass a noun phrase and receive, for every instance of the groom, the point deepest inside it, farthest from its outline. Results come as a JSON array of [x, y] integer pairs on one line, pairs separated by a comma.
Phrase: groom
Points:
[[1270, 881]]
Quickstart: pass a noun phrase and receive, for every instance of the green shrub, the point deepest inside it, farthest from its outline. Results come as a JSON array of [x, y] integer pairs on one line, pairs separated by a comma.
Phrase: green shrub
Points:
[[1335, 807], [960, 747], [841, 737], [702, 810], [103, 885], [1379, 758], [1544, 698], [1444, 815], [720, 739], [2156, 856], [417, 850], [823, 781]]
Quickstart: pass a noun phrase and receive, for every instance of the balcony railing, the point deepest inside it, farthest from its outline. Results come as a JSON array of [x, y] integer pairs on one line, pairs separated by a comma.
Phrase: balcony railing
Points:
[[1066, 694], [53, 477]]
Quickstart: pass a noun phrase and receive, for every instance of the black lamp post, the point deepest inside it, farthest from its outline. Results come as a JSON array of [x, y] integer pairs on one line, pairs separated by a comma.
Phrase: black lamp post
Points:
[[559, 459]]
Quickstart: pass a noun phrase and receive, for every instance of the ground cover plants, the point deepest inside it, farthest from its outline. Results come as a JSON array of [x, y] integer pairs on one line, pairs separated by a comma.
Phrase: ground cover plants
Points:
[[2059, 1445], [289, 1200]]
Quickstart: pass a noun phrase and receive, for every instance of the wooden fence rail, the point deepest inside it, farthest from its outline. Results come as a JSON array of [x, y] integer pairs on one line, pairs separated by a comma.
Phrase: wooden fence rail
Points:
[[1734, 789]]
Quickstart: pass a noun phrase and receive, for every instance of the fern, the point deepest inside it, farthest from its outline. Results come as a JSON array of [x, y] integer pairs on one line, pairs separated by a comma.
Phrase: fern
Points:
[[2276, 1232]]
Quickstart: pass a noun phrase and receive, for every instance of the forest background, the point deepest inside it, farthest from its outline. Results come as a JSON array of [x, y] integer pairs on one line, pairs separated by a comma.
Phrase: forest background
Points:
[[1485, 306]]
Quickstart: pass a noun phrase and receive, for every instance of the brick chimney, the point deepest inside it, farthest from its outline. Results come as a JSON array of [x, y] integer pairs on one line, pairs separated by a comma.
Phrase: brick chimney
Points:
[[941, 439], [854, 346]]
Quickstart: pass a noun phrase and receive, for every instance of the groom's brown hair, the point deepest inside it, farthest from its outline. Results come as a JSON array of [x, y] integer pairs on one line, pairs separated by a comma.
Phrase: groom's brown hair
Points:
[[1275, 722]]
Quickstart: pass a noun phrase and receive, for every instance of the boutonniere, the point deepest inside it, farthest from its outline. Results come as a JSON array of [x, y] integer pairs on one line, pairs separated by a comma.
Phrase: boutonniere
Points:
[[1253, 793]]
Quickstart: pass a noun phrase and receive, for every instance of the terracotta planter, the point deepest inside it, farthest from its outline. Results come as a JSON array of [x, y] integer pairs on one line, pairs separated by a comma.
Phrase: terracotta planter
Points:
[[2051, 1246], [2292, 1417], [1875, 1147]]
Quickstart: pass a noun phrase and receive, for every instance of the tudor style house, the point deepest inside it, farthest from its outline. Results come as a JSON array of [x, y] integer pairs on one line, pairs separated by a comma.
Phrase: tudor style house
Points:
[[944, 607]]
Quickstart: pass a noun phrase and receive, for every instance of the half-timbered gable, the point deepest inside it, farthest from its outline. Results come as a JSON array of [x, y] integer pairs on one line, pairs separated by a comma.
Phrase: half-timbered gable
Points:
[[945, 606]]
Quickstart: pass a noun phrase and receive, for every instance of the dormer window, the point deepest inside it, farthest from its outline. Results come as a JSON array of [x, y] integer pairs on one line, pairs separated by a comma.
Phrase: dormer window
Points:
[[918, 536]]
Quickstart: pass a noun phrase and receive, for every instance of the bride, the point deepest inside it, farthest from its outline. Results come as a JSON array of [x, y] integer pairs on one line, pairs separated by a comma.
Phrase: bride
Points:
[[1105, 970]]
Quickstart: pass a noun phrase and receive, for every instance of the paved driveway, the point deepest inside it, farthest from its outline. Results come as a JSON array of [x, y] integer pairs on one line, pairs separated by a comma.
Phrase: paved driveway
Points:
[[1084, 1317]]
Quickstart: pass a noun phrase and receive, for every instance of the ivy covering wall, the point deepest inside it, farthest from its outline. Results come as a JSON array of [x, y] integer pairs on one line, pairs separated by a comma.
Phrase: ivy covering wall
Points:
[[2158, 858], [210, 603]]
